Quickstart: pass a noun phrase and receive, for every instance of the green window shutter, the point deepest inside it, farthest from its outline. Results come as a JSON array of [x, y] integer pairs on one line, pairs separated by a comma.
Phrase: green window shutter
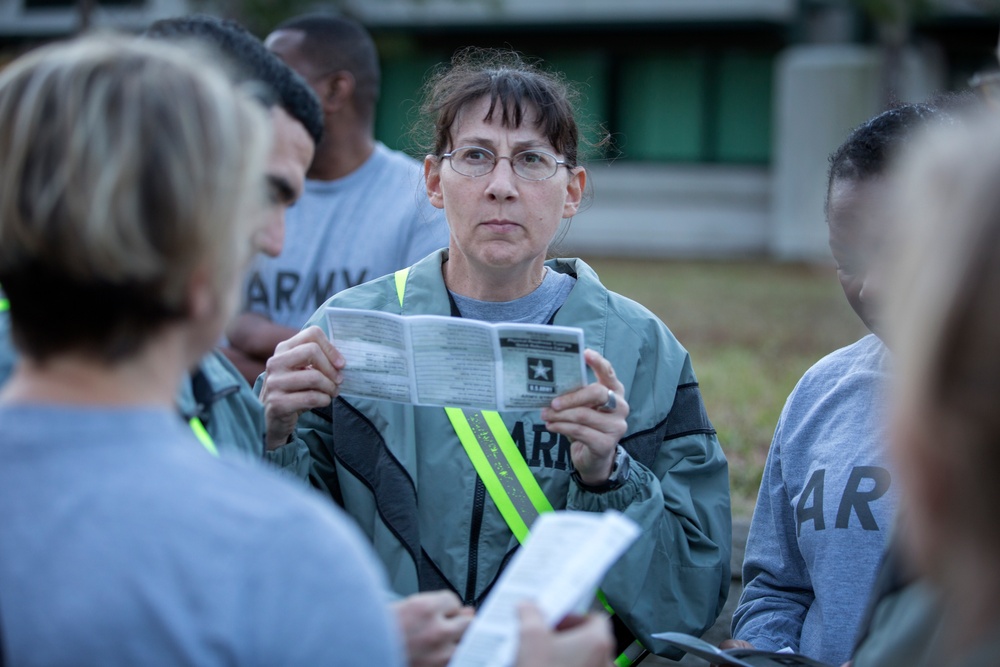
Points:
[[402, 78], [744, 108], [661, 107], [588, 73]]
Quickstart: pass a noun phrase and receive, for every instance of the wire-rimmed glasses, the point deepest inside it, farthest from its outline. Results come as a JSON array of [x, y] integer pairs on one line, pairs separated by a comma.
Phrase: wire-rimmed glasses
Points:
[[531, 165]]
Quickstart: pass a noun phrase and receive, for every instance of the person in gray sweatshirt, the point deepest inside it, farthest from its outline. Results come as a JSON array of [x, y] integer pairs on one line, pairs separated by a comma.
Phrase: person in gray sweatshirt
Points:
[[826, 499]]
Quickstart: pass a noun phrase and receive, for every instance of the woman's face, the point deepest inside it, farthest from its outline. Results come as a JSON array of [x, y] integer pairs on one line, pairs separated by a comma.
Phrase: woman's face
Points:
[[501, 220]]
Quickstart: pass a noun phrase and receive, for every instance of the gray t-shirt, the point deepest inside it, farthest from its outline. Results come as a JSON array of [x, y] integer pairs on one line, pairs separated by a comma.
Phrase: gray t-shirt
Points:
[[824, 511], [123, 542], [342, 233], [537, 307]]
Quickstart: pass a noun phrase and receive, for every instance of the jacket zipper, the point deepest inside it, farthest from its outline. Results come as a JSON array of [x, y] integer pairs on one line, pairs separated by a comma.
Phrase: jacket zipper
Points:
[[478, 505]]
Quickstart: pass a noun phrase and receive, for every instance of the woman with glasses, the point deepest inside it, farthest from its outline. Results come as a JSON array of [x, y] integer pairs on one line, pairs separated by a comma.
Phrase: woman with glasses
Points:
[[503, 164]]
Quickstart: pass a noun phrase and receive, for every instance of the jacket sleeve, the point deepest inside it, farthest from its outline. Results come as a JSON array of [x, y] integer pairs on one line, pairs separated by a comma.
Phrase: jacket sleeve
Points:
[[292, 458], [676, 576], [777, 589], [314, 433]]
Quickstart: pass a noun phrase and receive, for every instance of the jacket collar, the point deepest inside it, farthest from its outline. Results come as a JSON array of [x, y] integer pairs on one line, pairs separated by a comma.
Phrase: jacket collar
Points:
[[208, 383], [587, 306]]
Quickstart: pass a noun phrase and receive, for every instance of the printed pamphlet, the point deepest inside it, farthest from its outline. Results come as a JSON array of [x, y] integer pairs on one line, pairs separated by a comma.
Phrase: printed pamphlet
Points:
[[558, 568], [451, 361]]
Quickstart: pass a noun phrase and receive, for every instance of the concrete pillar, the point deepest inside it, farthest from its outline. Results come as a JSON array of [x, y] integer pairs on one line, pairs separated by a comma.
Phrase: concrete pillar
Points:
[[822, 92]]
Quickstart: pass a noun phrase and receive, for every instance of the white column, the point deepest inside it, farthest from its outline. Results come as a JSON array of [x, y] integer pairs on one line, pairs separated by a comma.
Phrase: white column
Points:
[[822, 92]]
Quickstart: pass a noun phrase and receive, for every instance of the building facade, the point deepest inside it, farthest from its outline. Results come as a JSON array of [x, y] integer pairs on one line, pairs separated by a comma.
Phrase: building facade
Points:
[[720, 113], [707, 122]]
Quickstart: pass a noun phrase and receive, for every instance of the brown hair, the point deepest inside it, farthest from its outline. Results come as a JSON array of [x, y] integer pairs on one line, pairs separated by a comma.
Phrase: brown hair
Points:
[[514, 88]]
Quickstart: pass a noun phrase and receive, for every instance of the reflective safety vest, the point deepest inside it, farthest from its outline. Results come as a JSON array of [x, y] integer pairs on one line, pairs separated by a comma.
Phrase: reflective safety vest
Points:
[[509, 481]]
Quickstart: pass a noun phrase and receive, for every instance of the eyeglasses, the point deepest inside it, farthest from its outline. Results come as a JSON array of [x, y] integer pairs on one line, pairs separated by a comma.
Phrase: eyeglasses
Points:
[[474, 161]]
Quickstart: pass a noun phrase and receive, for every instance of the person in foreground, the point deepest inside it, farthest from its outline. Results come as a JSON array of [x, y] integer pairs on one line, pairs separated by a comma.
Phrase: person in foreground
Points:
[[826, 505], [134, 213], [944, 321], [504, 166], [214, 398], [132, 183]]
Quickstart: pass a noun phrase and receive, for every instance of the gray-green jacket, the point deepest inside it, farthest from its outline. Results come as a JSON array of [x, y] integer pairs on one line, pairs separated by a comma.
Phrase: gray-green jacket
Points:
[[400, 470], [217, 394]]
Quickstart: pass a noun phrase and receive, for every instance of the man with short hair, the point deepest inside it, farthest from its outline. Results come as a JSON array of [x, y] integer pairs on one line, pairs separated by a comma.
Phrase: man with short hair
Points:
[[215, 396], [810, 562], [363, 213]]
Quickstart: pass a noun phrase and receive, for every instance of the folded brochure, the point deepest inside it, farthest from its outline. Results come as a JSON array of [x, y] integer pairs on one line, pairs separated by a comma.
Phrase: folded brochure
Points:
[[452, 361]]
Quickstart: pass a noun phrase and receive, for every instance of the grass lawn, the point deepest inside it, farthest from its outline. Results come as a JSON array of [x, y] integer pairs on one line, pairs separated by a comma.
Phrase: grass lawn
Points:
[[752, 328]]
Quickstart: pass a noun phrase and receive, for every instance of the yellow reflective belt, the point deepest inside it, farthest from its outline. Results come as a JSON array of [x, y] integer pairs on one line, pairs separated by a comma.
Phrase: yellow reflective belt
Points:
[[501, 467], [203, 437], [401, 284], [635, 652], [4, 304], [506, 475]]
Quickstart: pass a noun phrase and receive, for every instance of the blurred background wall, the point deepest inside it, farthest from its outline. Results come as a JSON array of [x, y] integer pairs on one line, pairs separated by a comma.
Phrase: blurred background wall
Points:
[[721, 112]]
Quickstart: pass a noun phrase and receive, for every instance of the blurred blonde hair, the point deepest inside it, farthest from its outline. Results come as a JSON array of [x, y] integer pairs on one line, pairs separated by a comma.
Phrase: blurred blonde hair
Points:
[[125, 166], [944, 310]]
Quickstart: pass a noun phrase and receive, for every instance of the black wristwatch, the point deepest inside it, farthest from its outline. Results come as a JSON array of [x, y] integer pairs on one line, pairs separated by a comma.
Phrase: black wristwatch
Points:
[[619, 474]]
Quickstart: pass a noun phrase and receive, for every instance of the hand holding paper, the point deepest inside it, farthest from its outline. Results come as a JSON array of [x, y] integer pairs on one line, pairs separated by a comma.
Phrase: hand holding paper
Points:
[[558, 569], [450, 361]]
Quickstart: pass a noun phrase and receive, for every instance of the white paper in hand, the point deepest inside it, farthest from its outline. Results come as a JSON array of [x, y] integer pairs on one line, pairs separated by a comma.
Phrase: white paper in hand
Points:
[[559, 568]]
